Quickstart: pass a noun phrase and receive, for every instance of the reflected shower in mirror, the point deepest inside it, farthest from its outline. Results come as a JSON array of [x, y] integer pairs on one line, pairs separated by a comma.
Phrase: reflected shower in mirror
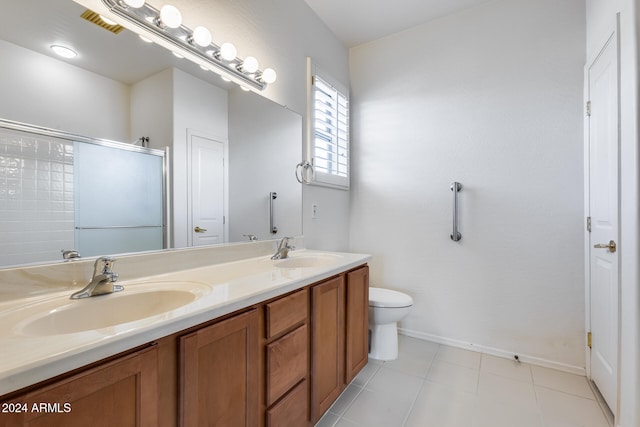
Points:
[[225, 144]]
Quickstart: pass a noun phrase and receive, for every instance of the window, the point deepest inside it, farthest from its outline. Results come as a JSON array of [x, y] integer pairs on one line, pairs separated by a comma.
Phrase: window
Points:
[[329, 134]]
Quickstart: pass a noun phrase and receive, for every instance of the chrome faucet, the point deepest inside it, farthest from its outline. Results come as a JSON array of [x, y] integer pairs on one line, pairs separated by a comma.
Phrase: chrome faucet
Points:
[[103, 280], [283, 249]]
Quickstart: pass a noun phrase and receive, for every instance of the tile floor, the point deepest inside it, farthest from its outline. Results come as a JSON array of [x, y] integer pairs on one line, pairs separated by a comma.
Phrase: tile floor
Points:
[[440, 386]]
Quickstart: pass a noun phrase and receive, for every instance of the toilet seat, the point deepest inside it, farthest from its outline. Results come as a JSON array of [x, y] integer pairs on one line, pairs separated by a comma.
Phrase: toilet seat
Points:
[[386, 298]]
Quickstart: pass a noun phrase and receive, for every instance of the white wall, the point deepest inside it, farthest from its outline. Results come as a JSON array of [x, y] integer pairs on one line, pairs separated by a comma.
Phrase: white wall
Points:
[[281, 34], [602, 16], [46, 92], [490, 97]]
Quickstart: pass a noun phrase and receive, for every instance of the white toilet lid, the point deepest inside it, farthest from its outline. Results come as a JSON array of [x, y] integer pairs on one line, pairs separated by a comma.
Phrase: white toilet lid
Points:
[[379, 297]]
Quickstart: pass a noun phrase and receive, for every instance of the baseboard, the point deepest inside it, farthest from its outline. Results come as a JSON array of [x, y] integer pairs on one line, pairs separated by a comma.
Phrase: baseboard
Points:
[[577, 370]]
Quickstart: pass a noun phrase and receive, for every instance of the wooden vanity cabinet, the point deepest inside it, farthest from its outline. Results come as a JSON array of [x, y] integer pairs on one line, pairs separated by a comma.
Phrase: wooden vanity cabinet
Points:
[[339, 336], [327, 344], [357, 322], [280, 363], [122, 392], [219, 374], [286, 361]]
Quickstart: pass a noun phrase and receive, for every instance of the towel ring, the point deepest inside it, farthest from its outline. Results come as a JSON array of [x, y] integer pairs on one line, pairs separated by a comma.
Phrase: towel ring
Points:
[[303, 167]]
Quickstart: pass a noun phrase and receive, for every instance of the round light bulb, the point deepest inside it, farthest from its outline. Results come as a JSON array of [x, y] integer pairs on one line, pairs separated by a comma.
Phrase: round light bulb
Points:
[[202, 36], [144, 39], [134, 3], [228, 51], [244, 88], [250, 64], [63, 51], [170, 16], [268, 76]]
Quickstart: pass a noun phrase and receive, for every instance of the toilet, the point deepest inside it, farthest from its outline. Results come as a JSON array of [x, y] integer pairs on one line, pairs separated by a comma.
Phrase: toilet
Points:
[[386, 308]]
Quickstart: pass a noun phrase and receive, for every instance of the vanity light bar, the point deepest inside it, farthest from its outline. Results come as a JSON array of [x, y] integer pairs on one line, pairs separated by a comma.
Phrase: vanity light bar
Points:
[[148, 18]]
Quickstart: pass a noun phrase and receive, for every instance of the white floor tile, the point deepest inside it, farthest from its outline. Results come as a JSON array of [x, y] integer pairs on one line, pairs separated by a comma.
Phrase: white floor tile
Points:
[[366, 373], [345, 399], [562, 381], [401, 385], [411, 363], [502, 390], [506, 368], [491, 413], [455, 377], [558, 407], [346, 423], [462, 389], [459, 356], [417, 346], [328, 420], [378, 409], [439, 406]]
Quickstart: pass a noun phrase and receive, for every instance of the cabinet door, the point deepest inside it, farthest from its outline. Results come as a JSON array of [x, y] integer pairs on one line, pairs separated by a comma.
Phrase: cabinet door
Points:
[[327, 344], [219, 374], [357, 319], [123, 392]]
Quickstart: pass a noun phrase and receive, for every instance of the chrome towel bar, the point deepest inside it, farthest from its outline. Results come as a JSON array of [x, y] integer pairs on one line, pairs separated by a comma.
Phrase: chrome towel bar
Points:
[[456, 187]]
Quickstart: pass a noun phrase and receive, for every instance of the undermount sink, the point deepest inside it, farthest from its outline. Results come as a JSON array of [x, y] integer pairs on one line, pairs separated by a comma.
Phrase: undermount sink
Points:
[[71, 316], [308, 261]]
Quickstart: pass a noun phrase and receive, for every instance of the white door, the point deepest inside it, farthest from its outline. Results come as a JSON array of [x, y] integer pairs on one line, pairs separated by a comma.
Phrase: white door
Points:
[[603, 210], [206, 191]]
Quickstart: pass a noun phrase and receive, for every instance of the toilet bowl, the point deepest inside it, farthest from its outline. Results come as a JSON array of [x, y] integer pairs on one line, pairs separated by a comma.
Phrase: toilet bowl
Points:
[[386, 308]]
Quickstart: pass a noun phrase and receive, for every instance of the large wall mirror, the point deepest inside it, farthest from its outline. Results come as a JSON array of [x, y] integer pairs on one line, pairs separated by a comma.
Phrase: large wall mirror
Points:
[[232, 154]]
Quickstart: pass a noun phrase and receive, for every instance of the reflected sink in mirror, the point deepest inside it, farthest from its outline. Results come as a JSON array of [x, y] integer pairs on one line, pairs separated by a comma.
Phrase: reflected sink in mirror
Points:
[[308, 261], [64, 316]]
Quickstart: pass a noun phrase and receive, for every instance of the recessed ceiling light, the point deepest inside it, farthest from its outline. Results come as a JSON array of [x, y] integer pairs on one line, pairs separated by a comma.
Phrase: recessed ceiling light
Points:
[[63, 51]]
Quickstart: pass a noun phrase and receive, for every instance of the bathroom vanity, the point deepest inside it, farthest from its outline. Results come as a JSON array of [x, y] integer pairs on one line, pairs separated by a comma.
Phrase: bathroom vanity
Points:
[[263, 343]]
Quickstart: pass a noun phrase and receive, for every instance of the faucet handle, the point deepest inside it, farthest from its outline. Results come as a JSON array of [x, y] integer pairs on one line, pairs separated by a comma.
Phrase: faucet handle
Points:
[[103, 265]]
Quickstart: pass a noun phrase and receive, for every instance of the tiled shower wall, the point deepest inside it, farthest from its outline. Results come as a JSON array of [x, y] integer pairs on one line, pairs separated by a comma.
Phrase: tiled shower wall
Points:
[[36, 198]]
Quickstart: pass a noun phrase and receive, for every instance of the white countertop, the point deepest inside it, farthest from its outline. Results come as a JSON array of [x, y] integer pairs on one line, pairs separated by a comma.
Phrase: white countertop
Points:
[[27, 358]]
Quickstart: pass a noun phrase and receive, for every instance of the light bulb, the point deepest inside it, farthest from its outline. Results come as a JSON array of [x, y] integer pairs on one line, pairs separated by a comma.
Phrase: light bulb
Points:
[[170, 16], [177, 55], [144, 39], [250, 65], [244, 88], [63, 51], [201, 36], [228, 51], [224, 78], [134, 3], [268, 76]]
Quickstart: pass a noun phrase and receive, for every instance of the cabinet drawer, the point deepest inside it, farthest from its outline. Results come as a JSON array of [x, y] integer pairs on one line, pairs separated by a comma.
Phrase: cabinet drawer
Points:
[[285, 313], [292, 410], [287, 363]]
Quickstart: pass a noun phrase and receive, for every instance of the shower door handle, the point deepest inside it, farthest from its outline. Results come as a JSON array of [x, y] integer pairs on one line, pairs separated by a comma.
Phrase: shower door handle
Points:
[[611, 246]]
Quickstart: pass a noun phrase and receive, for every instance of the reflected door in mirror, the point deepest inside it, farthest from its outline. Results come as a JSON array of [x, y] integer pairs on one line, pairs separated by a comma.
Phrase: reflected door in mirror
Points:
[[207, 190]]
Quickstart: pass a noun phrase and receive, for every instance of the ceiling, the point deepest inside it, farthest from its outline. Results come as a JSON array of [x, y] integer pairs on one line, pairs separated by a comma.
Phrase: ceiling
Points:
[[360, 21], [124, 57]]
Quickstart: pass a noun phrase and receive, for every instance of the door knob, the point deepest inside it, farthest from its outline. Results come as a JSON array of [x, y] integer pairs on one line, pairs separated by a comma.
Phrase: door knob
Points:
[[199, 230], [611, 246]]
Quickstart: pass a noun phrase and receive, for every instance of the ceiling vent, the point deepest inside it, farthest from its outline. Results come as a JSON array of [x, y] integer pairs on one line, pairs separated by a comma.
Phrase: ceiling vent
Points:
[[93, 17]]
